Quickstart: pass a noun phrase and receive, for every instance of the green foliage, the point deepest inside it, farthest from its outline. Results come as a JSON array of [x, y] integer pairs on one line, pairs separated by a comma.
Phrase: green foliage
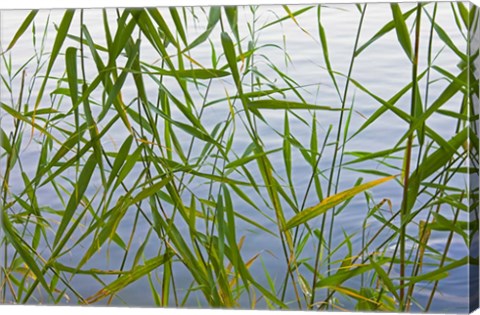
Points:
[[132, 160]]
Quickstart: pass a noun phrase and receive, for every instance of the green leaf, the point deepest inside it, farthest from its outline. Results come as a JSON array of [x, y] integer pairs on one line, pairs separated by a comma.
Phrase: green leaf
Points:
[[365, 156], [129, 277], [464, 14], [232, 16], [23, 118], [437, 274], [383, 31], [213, 18], [402, 30], [287, 17], [76, 196], [122, 36], [57, 45], [443, 224], [332, 201], [178, 24], [147, 192], [120, 159], [246, 159], [229, 50], [22, 249], [343, 275], [384, 277], [432, 163], [91, 272], [386, 104], [157, 17], [26, 23], [326, 57], [280, 104], [5, 142], [203, 73], [448, 41], [456, 85]]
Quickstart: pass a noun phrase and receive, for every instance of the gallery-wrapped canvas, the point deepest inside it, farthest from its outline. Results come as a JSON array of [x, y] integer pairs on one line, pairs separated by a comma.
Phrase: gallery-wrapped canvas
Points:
[[282, 157]]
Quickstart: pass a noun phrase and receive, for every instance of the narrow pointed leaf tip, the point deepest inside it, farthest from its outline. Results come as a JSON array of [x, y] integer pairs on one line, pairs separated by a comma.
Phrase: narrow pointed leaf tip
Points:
[[332, 201], [280, 104]]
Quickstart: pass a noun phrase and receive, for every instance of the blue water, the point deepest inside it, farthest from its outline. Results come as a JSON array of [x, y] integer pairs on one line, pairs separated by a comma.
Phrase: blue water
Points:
[[296, 50]]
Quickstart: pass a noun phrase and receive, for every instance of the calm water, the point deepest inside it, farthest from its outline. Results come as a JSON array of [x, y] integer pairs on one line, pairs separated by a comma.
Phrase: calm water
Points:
[[382, 68]]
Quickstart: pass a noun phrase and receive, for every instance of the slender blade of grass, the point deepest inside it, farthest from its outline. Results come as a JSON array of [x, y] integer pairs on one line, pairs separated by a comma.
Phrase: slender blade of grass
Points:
[[330, 202], [76, 196], [21, 30], [127, 278], [402, 30]]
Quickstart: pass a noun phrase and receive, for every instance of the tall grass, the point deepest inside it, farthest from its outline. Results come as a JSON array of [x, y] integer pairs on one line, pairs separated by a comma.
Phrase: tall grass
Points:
[[178, 150]]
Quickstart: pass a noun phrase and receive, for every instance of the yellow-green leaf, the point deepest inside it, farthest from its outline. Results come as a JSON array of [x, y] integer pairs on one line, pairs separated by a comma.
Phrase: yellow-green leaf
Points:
[[331, 202], [129, 277], [280, 104]]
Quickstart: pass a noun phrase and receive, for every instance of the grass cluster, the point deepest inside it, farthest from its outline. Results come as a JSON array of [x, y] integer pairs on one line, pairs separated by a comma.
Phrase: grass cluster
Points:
[[162, 148]]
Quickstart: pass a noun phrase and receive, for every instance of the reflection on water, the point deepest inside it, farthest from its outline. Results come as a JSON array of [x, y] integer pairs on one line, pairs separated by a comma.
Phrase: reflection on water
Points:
[[297, 50]]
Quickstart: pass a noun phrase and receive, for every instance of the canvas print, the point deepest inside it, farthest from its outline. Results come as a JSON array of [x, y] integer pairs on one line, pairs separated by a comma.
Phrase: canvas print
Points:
[[314, 157]]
